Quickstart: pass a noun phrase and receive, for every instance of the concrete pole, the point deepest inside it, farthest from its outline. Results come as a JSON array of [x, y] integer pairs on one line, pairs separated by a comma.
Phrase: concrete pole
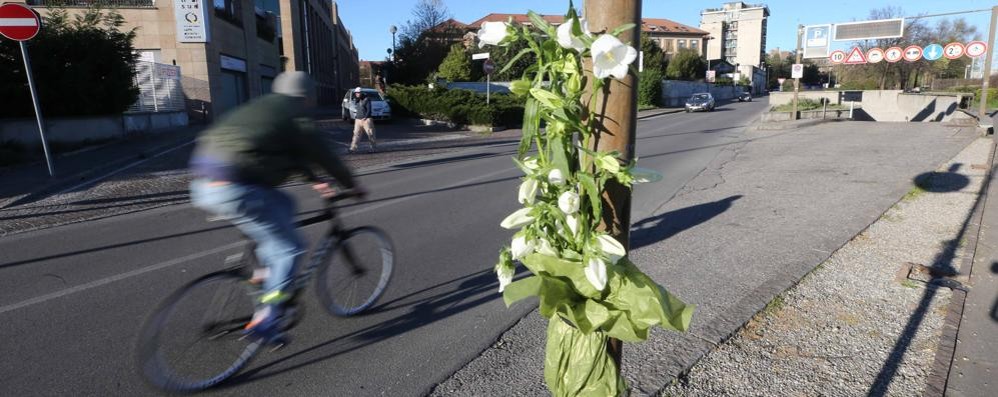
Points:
[[986, 73], [618, 105], [800, 29]]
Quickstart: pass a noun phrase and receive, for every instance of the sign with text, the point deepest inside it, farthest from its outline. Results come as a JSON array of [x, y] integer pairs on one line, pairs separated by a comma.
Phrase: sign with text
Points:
[[954, 50], [480, 55], [868, 30], [817, 40], [191, 21], [912, 53], [797, 71], [837, 56]]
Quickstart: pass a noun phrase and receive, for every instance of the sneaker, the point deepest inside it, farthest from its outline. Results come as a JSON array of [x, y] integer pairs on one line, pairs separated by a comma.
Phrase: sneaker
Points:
[[266, 325]]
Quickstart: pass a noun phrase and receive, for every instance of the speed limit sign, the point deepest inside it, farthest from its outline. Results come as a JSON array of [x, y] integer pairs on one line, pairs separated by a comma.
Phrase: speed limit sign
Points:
[[953, 50], [837, 56]]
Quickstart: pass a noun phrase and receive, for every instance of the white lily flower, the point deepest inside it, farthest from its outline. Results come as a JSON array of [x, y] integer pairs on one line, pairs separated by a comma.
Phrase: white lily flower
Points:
[[596, 273], [520, 247], [573, 224], [611, 247], [505, 276], [608, 163], [611, 57], [645, 175], [492, 33], [568, 202], [555, 177], [528, 191], [545, 247], [518, 219], [567, 40]]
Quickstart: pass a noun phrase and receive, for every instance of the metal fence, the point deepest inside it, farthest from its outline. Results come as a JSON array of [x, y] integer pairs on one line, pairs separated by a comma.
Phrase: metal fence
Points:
[[159, 88]]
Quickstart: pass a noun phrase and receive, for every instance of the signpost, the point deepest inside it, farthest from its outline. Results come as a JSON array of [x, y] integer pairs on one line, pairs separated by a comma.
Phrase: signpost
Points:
[[20, 23], [488, 67], [912, 53], [893, 54], [875, 55], [818, 38], [932, 52], [855, 57], [954, 50]]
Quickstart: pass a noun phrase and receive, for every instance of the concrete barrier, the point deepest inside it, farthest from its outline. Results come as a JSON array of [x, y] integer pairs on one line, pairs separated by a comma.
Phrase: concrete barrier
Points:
[[676, 92], [887, 105], [831, 114], [70, 130]]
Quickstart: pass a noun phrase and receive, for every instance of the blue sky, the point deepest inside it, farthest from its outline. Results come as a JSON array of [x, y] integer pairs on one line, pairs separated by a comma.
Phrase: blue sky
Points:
[[369, 20]]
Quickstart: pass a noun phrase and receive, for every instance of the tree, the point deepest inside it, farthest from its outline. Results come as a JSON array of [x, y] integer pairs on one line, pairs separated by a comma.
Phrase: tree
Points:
[[650, 79], [456, 66], [502, 56], [811, 75], [82, 66], [686, 65], [654, 58], [425, 15]]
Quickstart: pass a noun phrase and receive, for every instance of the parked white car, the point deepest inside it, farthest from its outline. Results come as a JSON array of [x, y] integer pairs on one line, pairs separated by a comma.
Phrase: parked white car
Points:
[[380, 109]]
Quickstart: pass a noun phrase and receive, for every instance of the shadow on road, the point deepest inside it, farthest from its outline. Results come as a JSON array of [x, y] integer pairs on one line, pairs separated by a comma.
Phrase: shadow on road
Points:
[[942, 266], [421, 308], [651, 230], [994, 307]]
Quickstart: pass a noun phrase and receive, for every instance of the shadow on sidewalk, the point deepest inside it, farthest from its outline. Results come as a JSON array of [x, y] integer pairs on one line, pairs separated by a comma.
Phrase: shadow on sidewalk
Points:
[[941, 266], [651, 230]]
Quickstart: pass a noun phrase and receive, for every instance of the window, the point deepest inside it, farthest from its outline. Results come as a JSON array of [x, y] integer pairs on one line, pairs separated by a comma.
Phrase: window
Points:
[[695, 44], [229, 10], [667, 45], [681, 44]]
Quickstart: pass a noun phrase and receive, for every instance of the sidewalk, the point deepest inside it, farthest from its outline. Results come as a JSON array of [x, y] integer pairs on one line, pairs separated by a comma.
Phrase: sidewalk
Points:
[[974, 370], [763, 215]]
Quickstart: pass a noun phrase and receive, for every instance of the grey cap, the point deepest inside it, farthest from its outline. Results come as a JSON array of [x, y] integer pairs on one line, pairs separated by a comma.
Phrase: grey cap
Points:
[[296, 84]]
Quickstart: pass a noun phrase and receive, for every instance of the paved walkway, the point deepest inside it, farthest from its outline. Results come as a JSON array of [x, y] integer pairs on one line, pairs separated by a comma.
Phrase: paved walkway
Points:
[[974, 370]]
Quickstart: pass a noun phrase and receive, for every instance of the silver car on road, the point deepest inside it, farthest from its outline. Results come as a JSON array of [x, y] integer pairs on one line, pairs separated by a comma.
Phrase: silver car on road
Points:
[[380, 109]]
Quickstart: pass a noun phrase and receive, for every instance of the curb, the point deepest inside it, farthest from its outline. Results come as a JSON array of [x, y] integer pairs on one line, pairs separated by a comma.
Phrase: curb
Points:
[[935, 384], [659, 112]]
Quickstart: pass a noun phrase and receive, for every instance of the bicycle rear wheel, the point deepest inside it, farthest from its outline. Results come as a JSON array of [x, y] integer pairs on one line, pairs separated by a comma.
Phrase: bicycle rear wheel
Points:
[[356, 272], [194, 340]]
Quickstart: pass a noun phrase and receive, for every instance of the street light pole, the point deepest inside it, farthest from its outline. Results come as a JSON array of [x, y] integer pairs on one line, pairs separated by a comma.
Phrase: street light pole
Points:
[[617, 122], [986, 73], [800, 30], [393, 29]]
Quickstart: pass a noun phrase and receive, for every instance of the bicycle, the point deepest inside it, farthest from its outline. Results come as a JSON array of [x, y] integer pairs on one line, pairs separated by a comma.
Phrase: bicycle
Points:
[[225, 302]]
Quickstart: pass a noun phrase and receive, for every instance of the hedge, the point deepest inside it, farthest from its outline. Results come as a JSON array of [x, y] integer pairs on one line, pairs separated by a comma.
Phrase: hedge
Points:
[[456, 106]]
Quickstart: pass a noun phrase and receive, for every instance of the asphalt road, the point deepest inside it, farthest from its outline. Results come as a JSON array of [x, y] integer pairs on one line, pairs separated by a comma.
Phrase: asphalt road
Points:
[[72, 298]]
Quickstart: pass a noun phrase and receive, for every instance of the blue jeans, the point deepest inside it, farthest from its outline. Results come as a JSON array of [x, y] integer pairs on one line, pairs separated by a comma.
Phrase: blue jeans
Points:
[[265, 215]]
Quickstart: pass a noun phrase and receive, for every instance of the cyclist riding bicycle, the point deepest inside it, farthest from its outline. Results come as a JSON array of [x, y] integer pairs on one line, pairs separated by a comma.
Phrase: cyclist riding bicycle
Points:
[[238, 164]]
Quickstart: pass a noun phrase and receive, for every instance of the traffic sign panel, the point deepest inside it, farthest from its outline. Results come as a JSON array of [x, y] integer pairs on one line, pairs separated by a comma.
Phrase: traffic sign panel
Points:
[[488, 67], [874, 55], [837, 56], [18, 22], [893, 54], [855, 57], [912, 53], [932, 52], [976, 48], [797, 71], [954, 50]]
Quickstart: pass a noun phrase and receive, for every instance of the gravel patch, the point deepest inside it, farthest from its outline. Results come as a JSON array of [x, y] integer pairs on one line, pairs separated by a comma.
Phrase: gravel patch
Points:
[[854, 326]]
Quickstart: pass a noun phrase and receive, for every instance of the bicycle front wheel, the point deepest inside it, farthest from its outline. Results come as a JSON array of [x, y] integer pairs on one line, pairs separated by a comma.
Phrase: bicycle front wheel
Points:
[[357, 272], [194, 340]]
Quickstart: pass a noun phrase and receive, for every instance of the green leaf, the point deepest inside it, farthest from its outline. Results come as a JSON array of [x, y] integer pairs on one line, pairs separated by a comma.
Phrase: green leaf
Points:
[[559, 154], [531, 126], [622, 28], [515, 58], [589, 185], [520, 289], [540, 23], [547, 98]]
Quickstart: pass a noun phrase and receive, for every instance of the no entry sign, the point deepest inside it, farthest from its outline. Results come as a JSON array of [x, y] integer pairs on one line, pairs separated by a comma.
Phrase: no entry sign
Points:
[[18, 22]]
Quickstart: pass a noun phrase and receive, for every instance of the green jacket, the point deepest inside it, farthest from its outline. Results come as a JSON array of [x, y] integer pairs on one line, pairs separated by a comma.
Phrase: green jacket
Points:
[[264, 142]]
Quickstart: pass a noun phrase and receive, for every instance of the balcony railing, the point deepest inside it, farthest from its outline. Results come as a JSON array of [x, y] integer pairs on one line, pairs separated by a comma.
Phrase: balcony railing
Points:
[[92, 3]]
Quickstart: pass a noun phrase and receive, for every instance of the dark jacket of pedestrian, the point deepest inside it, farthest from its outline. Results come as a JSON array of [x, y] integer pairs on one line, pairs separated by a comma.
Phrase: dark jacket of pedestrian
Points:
[[363, 107]]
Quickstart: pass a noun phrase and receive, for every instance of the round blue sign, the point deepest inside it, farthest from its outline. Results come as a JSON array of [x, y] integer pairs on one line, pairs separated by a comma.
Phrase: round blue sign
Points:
[[932, 52]]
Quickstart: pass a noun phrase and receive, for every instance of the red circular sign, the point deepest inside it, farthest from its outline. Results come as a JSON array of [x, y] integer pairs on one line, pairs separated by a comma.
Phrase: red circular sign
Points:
[[954, 50], [912, 53], [875, 55], [976, 48], [18, 22], [837, 56], [893, 54]]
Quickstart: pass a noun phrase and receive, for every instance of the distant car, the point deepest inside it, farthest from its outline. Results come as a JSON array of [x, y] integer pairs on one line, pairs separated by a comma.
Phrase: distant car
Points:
[[745, 97], [701, 101], [380, 109]]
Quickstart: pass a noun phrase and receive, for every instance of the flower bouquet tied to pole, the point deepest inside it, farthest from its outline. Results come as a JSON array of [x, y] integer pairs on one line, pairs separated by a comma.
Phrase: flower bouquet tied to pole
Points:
[[587, 287]]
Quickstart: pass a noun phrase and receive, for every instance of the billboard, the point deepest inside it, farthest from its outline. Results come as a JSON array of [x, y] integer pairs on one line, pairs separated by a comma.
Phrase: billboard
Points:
[[867, 30]]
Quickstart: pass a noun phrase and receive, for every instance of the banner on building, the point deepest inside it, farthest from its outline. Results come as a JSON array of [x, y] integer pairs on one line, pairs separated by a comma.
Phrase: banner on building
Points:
[[191, 18]]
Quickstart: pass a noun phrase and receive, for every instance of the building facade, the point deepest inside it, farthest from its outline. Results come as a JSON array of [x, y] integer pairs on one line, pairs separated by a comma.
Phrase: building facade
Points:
[[738, 32]]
